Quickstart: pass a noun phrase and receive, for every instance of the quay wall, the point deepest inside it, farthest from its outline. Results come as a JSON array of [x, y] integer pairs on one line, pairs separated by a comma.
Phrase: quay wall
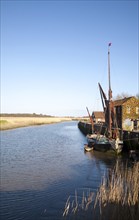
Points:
[[130, 138]]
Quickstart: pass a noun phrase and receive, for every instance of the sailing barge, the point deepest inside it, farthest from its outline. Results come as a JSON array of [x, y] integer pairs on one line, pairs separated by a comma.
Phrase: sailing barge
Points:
[[130, 138], [112, 136]]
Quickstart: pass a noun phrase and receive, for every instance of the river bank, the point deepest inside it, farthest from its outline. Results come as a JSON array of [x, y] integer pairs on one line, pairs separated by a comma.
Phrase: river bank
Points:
[[17, 122]]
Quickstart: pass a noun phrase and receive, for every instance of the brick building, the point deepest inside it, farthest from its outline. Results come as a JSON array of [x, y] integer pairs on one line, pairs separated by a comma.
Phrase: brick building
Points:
[[127, 113]]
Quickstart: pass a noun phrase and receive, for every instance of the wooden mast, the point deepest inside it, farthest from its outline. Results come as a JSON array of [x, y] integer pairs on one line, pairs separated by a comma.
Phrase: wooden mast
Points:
[[107, 102], [109, 94], [108, 105]]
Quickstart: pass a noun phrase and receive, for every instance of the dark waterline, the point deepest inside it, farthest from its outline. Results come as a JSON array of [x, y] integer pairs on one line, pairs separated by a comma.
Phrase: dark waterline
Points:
[[41, 166]]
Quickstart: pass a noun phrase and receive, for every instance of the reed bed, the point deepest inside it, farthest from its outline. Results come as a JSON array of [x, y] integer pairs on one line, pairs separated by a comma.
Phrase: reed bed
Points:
[[116, 199], [16, 122], [77, 203], [118, 195]]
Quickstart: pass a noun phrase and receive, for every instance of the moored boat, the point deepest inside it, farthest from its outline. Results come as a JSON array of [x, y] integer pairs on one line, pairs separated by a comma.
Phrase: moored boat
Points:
[[113, 133], [99, 142], [111, 139], [88, 147]]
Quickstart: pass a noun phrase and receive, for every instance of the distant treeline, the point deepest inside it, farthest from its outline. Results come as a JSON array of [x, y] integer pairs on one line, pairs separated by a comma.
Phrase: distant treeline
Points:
[[23, 115]]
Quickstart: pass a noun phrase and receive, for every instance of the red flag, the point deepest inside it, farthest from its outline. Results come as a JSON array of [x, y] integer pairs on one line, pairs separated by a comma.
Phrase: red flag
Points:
[[109, 44]]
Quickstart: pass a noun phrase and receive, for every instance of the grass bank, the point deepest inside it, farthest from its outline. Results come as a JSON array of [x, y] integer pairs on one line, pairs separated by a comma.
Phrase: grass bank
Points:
[[16, 122]]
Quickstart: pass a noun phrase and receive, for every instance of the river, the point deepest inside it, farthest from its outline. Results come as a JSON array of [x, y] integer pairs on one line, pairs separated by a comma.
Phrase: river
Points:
[[41, 166]]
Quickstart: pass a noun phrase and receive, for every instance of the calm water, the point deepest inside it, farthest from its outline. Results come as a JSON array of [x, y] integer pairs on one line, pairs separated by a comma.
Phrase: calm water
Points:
[[41, 166]]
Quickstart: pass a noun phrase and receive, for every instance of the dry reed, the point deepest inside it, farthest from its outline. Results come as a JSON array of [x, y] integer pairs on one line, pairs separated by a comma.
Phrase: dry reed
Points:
[[116, 199], [118, 195], [16, 122]]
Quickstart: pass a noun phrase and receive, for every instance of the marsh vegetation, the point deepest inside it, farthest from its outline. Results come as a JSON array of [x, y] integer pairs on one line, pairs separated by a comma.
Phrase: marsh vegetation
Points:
[[116, 198], [16, 122]]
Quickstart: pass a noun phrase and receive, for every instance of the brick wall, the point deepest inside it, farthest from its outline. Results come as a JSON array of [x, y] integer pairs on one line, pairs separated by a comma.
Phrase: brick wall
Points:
[[129, 111]]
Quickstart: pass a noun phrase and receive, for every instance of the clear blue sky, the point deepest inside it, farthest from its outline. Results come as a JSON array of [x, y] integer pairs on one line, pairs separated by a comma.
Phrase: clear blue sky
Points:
[[54, 53]]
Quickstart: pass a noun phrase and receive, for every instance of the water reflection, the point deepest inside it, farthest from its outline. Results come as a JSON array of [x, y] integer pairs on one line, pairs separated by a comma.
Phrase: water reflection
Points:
[[102, 158]]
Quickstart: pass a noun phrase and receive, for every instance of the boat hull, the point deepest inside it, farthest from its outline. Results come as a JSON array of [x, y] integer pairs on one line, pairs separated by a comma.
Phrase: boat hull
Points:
[[99, 142], [103, 147]]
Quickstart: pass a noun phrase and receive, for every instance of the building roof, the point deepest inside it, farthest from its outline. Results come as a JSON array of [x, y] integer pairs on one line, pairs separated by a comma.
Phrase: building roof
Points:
[[120, 102], [98, 114]]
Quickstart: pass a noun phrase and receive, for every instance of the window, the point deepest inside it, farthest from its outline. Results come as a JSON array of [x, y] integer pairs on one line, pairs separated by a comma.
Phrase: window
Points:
[[137, 110], [128, 110]]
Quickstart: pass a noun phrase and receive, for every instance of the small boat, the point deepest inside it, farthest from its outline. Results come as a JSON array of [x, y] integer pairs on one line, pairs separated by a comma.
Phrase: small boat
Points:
[[88, 147]]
